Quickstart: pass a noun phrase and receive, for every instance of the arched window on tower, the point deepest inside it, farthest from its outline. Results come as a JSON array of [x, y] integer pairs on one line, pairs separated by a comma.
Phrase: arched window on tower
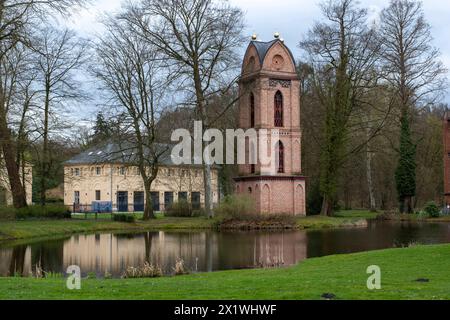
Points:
[[278, 109], [280, 153], [252, 110]]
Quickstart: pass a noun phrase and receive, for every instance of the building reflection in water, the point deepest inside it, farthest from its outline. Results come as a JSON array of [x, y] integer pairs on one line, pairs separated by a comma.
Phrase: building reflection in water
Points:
[[202, 251], [210, 251]]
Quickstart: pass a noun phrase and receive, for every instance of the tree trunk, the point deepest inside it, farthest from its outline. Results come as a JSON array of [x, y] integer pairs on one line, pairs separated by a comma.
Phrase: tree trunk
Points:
[[327, 207], [12, 167], [148, 210], [45, 153], [369, 159], [409, 205], [208, 191]]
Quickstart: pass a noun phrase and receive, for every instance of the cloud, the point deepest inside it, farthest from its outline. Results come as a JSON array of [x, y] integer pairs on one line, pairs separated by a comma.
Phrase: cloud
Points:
[[291, 18]]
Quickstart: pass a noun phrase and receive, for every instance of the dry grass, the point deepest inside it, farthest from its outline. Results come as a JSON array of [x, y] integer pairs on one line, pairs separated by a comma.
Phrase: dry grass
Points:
[[180, 268], [146, 271]]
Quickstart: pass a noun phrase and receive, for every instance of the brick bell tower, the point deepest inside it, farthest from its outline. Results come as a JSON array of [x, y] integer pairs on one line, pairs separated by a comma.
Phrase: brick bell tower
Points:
[[270, 99]]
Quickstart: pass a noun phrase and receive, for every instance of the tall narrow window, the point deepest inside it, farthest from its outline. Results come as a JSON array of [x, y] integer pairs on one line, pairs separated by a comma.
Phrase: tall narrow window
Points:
[[280, 149], [252, 110], [278, 109]]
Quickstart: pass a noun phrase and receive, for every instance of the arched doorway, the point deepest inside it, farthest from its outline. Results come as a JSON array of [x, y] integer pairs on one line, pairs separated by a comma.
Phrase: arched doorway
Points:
[[300, 200]]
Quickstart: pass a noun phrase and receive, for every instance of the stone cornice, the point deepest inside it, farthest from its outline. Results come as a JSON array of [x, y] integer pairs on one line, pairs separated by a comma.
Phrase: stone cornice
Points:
[[269, 178]]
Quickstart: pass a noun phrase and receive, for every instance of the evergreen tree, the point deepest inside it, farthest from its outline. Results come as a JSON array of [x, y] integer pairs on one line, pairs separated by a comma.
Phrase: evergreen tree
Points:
[[405, 175], [103, 129]]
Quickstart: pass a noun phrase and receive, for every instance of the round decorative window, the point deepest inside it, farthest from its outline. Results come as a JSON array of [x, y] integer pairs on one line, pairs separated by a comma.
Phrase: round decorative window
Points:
[[278, 62]]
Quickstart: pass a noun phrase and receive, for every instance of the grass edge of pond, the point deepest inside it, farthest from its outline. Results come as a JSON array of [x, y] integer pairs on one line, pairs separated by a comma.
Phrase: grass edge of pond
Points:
[[49, 229]]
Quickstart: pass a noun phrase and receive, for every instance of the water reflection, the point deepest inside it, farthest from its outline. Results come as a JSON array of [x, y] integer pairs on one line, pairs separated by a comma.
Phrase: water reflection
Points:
[[209, 251], [201, 251]]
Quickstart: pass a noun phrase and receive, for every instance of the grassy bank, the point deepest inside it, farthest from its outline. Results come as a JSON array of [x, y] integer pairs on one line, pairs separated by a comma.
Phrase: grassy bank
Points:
[[17, 230], [343, 275]]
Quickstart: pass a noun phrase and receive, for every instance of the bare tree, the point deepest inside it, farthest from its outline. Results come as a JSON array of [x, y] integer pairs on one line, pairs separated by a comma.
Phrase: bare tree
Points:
[[17, 17], [414, 71], [130, 70], [198, 39], [59, 55], [343, 52]]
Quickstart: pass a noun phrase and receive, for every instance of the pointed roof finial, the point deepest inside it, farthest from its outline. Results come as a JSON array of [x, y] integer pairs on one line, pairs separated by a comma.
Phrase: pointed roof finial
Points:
[[254, 37], [276, 35]]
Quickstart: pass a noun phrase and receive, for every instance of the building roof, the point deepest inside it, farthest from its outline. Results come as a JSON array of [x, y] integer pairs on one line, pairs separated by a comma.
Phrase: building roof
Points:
[[112, 152], [262, 48]]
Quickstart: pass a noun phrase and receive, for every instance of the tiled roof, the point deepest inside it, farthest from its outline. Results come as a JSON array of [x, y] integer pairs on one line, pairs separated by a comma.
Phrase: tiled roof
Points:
[[111, 152], [263, 48]]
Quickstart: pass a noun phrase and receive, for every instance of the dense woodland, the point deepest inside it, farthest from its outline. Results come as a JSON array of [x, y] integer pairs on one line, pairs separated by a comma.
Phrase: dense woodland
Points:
[[371, 96]]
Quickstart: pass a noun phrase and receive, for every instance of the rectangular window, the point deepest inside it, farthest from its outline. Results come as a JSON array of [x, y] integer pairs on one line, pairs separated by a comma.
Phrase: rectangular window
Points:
[[182, 196], [98, 195], [77, 172], [98, 171], [76, 197], [122, 171], [195, 200], [168, 200]]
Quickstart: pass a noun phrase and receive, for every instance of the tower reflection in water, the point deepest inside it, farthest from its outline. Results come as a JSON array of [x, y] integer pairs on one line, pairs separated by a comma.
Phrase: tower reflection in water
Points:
[[201, 252]]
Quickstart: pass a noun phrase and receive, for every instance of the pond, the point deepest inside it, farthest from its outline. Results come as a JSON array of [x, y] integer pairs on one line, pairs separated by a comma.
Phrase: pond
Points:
[[209, 251]]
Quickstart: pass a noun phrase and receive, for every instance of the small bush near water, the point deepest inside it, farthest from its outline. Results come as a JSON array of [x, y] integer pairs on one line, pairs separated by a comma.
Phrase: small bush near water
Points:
[[181, 209], [35, 212], [121, 217], [236, 207], [238, 212], [432, 210]]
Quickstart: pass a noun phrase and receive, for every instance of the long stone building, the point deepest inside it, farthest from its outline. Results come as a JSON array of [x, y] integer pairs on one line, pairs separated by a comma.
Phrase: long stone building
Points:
[[5, 188], [96, 176]]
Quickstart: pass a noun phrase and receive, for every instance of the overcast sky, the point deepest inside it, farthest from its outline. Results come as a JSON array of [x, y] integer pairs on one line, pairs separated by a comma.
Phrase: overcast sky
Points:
[[291, 18]]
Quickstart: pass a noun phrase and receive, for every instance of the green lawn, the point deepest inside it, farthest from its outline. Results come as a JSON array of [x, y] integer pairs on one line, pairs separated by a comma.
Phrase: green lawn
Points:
[[17, 230], [343, 275]]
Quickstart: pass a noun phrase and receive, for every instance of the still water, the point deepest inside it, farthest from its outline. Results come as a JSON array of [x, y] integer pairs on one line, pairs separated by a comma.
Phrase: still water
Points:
[[209, 251]]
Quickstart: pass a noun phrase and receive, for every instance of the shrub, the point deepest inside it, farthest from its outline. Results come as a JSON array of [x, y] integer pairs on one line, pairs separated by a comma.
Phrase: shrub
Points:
[[7, 213], [43, 212], [432, 210], [181, 209], [236, 207], [122, 217]]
